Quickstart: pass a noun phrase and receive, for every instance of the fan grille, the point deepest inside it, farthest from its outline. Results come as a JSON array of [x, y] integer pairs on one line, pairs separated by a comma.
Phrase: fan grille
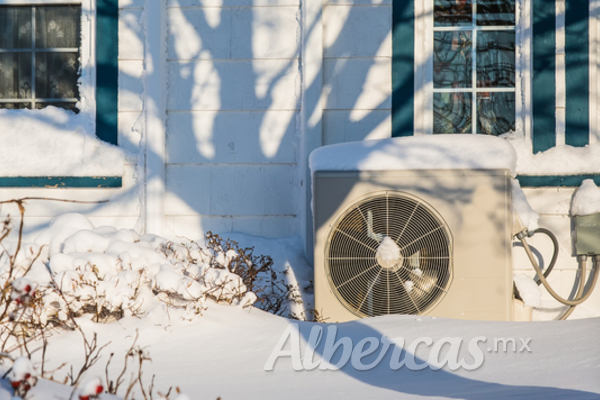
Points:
[[418, 280]]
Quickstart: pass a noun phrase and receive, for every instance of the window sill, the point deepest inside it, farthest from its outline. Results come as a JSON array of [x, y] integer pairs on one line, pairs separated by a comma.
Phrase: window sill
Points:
[[49, 182]]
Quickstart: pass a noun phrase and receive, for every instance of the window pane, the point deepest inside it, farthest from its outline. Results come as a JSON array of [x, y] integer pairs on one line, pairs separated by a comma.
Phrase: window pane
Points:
[[495, 113], [452, 112], [496, 12], [56, 75], [452, 12], [15, 106], [57, 26], [452, 63], [496, 59], [59, 104], [15, 27], [15, 75]]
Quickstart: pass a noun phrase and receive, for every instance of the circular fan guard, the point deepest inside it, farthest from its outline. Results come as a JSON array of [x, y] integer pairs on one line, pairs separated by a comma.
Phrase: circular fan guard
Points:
[[421, 276]]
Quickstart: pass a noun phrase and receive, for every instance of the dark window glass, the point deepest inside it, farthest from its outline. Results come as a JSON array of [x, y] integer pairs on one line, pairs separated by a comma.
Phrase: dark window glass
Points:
[[15, 71], [496, 12], [14, 106], [496, 59], [15, 27], [57, 27], [495, 112], [59, 104], [40, 63], [452, 112], [452, 12], [452, 63], [56, 75]]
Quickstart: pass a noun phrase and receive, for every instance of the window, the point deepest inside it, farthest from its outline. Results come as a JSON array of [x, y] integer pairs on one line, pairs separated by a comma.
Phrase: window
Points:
[[474, 66], [39, 56]]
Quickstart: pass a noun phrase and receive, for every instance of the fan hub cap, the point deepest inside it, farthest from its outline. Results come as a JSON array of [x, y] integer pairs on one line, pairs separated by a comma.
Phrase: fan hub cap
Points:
[[388, 255]]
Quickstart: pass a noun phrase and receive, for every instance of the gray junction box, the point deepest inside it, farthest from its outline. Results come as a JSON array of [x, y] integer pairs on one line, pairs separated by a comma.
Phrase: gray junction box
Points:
[[587, 234]]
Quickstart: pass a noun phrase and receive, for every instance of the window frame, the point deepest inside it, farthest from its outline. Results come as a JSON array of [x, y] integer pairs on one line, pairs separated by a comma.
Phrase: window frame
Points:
[[474, 90], [98, 82], [424, 90], [35, 51]]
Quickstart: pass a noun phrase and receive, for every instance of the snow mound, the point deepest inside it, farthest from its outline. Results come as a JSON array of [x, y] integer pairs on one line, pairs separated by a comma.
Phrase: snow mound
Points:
[[586, 200], [61, 228], [112, 273], [417, 153], [529, 217], [528, 290], [62, 146]]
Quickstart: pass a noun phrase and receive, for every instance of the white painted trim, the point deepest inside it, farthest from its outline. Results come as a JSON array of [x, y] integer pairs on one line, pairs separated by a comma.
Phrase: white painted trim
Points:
[[560, 77], [523, 122], [423, 101], [311, 109], [155, 85]]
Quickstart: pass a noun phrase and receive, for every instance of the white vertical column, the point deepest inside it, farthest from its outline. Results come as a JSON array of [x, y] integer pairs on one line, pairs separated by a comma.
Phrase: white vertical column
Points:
[[155, 106], [524, 68], [423, 114], [311, 110], [561, 94]]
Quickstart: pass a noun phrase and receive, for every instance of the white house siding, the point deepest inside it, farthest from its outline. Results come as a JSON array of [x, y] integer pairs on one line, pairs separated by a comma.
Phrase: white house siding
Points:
[[357, 87], [232, 117], [124, 204]]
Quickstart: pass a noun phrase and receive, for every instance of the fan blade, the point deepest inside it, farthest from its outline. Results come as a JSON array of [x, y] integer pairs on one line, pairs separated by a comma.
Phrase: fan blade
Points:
[[370, 232]]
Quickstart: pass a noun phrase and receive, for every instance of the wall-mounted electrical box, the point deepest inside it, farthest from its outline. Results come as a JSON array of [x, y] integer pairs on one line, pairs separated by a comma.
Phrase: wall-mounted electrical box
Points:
[[587, 234]]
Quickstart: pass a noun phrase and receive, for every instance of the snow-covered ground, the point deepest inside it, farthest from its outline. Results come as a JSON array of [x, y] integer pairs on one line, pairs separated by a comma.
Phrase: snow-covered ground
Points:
[[224, 354]]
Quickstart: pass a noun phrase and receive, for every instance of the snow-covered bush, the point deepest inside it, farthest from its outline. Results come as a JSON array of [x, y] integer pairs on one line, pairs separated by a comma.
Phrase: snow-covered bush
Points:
[[75, 268], [22, 376]]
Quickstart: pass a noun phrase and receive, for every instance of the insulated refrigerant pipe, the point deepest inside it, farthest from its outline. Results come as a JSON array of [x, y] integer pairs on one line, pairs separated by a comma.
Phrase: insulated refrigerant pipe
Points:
[[554, 240], [582, 259]]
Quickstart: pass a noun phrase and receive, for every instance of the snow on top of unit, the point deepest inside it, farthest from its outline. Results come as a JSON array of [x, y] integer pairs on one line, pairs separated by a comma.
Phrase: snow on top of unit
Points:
[[586, 200], [417, 153], [55, 142]]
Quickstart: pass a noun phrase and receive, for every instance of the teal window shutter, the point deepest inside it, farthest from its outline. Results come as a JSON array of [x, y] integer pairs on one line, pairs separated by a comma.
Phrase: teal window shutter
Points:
[[107, 70], [543, 82], [577, 123], [403, 67]]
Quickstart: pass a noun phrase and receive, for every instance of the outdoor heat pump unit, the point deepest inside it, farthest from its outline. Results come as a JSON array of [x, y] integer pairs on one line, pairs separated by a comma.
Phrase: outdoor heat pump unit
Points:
[[420, 242]]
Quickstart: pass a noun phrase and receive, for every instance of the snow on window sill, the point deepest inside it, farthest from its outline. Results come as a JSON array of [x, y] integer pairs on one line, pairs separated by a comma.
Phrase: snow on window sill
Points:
[[53, 142]]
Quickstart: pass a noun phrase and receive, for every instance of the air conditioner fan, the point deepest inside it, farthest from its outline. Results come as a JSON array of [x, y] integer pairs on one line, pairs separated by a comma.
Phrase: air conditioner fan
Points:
[[389, 253]]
